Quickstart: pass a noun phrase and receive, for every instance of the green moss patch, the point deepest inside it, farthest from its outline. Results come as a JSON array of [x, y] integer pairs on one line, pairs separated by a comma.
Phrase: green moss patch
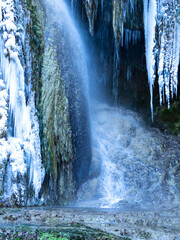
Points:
[[62, 233], [169, 119]]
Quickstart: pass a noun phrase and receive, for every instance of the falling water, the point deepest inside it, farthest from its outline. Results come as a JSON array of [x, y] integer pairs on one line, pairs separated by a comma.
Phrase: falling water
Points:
[[106, 140], [71, 55]]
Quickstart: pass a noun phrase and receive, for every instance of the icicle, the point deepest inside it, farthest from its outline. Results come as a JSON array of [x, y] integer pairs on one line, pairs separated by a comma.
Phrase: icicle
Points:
[[176, 58], [164, 16], [160, 70], [102, 6], [150, 9]]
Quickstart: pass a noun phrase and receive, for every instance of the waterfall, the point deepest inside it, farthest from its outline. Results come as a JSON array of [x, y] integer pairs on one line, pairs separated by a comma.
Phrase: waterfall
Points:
[[65, 22], [103, 153], [20, 147], [65, 35]]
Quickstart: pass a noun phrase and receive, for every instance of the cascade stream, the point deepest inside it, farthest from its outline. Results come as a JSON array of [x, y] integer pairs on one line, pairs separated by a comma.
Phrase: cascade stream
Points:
[[75, 160], [84, 148]]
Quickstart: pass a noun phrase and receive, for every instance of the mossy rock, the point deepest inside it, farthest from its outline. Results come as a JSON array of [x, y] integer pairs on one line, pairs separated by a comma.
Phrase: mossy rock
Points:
[[64, 233], [168, 119]]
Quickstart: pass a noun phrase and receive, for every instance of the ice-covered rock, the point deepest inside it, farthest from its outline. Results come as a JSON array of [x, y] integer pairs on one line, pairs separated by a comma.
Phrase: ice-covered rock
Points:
[[3, 109], [20, 156]]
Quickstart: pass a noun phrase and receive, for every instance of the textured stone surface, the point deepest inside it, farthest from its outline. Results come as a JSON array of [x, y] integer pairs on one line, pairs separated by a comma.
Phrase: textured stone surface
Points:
[[57, 150], [125, 223]]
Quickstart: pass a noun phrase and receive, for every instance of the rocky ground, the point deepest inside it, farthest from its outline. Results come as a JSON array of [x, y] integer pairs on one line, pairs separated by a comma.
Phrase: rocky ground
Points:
[[83, 223]]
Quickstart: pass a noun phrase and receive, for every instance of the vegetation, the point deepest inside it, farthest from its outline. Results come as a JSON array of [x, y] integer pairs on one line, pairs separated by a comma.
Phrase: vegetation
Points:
[[51, 236], [75, 232], [169, 119]]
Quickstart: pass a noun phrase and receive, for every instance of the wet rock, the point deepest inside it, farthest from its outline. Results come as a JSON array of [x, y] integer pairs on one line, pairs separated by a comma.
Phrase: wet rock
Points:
[[91, 7], [126, 223], [10, 218]]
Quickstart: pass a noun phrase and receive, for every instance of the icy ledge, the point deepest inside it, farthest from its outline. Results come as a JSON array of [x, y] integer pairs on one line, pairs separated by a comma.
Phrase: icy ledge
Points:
[[20, 158], [162, 34]]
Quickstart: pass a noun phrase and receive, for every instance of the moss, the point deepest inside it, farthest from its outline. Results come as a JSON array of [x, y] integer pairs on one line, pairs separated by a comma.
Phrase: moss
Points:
[[169, 119], [3, 134], [57, 136], [51, 236], [35, 30], [72, 233], [52, 106]]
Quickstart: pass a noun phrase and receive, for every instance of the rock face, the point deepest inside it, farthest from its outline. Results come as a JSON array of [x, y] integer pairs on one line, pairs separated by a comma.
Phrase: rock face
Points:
[[119, 50], [57, 134], [128, 49], [91, 11]]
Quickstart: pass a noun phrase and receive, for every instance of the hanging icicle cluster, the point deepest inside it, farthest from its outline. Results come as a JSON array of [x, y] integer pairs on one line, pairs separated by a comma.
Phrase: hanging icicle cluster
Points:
[[162, 34], [125, 22]]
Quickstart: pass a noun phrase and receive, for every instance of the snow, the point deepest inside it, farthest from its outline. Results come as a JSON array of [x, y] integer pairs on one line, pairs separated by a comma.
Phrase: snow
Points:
[[10, 26], [17, 163]]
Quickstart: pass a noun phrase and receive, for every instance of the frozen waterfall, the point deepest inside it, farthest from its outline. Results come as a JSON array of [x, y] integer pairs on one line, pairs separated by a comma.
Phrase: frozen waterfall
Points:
[[162, 34], [20, 143]]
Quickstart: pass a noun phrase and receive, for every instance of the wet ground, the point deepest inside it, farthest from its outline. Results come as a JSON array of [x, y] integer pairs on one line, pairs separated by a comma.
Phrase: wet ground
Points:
[[90, 223]]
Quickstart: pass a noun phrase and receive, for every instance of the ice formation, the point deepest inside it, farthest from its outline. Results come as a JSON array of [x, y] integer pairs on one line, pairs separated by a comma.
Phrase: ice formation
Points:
[[131, 36], [19, 129], [121, 12], [162, 34], [150, 11]]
